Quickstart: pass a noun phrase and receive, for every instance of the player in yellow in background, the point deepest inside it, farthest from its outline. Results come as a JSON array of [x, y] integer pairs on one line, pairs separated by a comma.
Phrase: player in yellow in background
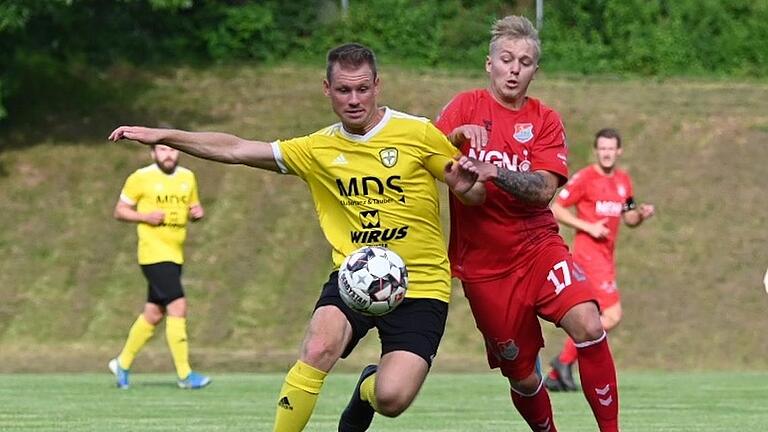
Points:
[[372, 179], [161, 199]]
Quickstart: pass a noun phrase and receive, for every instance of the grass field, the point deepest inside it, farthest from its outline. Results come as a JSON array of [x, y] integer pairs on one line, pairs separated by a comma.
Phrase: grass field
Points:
[[651, 401]]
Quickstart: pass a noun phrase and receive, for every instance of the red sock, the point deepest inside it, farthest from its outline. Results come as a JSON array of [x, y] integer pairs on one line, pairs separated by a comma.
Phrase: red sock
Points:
[[598, 381], [535, 409], [569, 353]]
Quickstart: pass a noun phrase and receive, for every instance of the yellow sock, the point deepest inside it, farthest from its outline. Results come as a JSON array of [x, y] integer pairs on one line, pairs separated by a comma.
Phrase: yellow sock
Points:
[[297, 397], [176, 335], [141, 331], [368, 391]]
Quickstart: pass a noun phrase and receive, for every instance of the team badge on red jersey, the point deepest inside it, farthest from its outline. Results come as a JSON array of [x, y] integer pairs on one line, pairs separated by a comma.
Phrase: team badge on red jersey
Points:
[[523, 132]]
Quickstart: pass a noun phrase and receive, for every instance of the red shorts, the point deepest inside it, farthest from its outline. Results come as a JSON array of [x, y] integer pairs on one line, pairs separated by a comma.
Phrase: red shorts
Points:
[[602, 279], [506, 310]]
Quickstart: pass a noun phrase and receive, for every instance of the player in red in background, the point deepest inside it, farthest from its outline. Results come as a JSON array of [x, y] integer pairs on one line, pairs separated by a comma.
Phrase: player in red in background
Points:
[[513, 264], [603, 197]]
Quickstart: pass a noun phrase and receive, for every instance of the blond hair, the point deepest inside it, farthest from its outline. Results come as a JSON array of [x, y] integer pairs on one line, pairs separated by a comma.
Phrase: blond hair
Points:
[[515, 27]]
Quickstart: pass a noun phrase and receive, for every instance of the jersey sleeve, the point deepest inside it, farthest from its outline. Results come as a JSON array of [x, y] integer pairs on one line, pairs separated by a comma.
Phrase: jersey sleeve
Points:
[[132, 190], [294, 156], [550, 152], [194, 198], [454, 113], [573, 191], [630, 187], [440, 151]]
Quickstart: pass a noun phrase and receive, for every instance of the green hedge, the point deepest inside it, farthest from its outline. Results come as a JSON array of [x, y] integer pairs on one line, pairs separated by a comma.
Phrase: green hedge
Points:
[[648, 37]]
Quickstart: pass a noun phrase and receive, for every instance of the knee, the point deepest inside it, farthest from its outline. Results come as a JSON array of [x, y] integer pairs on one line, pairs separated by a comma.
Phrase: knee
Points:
[[391, 403], [153, 317], [583, 323], [527, 386], [320, 351], [592, 329]]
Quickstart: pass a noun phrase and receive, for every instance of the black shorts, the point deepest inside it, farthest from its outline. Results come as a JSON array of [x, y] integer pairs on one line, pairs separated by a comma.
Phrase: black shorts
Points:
[[416, 326], [164, 280]]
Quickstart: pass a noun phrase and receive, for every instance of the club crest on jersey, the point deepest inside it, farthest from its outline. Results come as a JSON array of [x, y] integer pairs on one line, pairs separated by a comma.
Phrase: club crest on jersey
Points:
[[622, 191], [388, 157], [523, 132]]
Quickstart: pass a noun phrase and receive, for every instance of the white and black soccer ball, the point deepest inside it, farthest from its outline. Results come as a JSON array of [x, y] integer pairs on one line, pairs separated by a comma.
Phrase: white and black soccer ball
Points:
[[373, 280]]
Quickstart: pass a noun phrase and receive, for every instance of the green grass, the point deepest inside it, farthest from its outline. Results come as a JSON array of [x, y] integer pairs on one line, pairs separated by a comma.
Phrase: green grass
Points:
[[691, 278], [651, 401]]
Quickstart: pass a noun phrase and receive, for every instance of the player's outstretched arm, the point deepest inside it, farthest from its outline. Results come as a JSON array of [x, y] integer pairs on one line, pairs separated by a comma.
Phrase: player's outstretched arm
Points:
[[215, 146], [536, 188]]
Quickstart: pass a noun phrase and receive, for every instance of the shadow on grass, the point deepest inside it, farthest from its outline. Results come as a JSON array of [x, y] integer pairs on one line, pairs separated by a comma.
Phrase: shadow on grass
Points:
[[66, 105]]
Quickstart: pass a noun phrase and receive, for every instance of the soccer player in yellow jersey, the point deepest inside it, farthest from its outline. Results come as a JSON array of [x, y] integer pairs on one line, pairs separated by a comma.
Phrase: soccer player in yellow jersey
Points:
[[160, 198], [372, 179]]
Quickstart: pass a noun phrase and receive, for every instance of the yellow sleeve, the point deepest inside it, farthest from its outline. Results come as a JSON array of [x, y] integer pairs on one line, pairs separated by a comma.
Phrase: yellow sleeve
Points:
[[194, 199], [440, 151], [132, 190], [296, 155]]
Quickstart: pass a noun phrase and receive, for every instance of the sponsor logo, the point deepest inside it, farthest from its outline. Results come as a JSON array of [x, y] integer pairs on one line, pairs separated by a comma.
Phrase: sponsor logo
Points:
[[370, 219], [608, 208], [340, 160], [523, 132], [604, 395], [388, 157], [368, 185], [502, 159], [284, 403], [171, 199], [379, 235]]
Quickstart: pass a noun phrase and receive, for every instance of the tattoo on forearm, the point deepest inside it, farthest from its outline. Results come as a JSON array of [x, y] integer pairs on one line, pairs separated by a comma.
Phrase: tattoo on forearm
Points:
[[529, 187]]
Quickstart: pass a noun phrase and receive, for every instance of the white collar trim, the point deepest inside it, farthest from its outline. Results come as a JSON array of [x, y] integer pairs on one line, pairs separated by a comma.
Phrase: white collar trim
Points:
[[371, 133]]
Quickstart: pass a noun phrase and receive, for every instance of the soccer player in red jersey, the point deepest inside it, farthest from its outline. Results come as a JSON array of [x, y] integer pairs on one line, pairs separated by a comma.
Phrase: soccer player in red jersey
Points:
[[603, 196], [513, 264]]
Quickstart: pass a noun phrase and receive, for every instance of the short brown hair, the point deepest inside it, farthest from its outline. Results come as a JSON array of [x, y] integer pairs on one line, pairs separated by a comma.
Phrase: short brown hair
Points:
[[352, 55], [608, 133]]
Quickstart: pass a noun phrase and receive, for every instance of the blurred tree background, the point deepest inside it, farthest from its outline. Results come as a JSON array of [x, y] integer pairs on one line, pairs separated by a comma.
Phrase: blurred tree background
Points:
[[69, 41]]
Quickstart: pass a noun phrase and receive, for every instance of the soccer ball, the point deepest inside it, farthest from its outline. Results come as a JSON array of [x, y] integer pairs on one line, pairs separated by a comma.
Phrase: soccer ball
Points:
[[373, 280]]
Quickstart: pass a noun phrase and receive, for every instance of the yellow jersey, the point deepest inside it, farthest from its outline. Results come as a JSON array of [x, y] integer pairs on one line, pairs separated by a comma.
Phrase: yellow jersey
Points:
[[379, 189], [150, 189]]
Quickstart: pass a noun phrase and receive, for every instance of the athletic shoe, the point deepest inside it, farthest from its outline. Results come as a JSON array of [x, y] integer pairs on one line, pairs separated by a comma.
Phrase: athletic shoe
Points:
[[564, 374], [553, 385], [121, 374], [358, 414], [194, 381]]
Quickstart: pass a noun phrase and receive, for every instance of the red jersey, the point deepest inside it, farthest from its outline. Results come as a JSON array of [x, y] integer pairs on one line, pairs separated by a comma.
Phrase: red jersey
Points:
[[491, 240], [597, 196]]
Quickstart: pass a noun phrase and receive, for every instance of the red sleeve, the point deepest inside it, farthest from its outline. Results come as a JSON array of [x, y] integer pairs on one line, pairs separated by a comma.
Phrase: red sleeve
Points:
[[630, 188], [455, 113], [550, 152], [573, 191]]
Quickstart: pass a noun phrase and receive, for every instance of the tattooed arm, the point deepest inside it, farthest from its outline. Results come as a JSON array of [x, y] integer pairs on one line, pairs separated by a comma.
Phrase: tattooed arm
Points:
[[536, 188]]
